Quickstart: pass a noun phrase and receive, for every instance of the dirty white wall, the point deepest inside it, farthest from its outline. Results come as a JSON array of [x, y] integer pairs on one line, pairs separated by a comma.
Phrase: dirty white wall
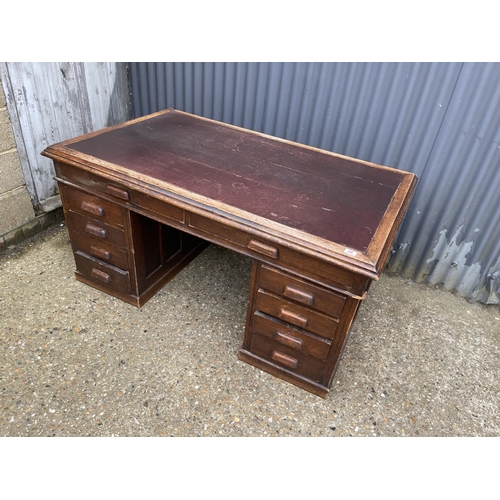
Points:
[[48, 103], [16, 209]]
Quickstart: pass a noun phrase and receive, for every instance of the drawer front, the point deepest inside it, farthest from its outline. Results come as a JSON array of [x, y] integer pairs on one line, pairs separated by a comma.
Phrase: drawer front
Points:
[[286, 357], [262, 249], [301, 291], [233, 235], [91, 181], [121, 194], [99, 249], [291, 313], [102, 274], [93, 206], [291, 337], [157, 206], [96, 229]]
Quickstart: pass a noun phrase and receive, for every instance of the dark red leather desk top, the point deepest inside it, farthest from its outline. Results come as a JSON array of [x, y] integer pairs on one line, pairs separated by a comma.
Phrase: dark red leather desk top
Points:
[[335, 198]]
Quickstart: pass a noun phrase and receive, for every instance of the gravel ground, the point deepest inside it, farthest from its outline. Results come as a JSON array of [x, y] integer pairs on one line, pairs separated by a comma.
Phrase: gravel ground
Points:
[[76, 362]]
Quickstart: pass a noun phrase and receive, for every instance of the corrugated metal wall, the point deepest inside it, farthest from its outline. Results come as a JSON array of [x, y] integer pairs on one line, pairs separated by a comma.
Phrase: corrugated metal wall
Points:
[[52, 102], [439, 120]]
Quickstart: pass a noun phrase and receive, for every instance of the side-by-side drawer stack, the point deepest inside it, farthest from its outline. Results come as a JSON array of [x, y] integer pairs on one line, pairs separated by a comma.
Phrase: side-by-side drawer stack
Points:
[[292, 323]]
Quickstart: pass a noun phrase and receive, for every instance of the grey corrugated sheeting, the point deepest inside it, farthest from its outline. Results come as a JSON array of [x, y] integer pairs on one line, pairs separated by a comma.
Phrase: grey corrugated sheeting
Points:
[[451, 235], [439, 120]]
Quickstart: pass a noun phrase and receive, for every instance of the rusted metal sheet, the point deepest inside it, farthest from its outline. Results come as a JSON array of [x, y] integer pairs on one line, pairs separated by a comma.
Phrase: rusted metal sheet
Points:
[[438, 120], [51, 102], [451, 236]]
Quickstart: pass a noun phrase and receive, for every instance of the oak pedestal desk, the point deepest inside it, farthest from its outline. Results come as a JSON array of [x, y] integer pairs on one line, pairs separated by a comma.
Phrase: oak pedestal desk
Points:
[[144, 198]]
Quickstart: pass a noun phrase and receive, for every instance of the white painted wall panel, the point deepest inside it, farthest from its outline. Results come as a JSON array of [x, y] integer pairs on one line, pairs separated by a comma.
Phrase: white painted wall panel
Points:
[[51, 102]]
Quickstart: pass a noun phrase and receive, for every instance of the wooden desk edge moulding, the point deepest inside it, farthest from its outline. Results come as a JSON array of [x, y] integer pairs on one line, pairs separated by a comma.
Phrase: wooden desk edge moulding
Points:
[[144, 198]]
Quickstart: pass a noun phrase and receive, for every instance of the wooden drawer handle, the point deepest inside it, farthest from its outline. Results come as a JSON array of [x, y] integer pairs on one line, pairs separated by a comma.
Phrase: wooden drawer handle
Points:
[[96, 231], [100, 275], [289, 340], [284, 359], [100, 252], [299, 295], [118, 192], [92, 208], [264, 249], [294, 318]]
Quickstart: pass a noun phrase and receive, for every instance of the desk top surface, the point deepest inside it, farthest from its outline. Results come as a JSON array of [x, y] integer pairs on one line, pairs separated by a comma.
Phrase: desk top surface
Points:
[[311, 193]]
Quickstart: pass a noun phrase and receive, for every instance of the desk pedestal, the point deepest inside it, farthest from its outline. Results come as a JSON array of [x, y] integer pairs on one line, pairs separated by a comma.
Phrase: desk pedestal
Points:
[[296, 328]]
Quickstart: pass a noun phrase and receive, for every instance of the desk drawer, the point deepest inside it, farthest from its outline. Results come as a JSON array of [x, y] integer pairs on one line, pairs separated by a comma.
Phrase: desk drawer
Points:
[[96, 229], [91, 182], [301, 291], [295, 315], [262, 249], [286, 357], [101, 250], [157, 206], [121, 194], [104, 275], [92, 206], [291, 337]]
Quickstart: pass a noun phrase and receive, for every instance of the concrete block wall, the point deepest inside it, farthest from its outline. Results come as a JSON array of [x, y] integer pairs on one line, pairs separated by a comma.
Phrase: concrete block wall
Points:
[[18, 220]]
